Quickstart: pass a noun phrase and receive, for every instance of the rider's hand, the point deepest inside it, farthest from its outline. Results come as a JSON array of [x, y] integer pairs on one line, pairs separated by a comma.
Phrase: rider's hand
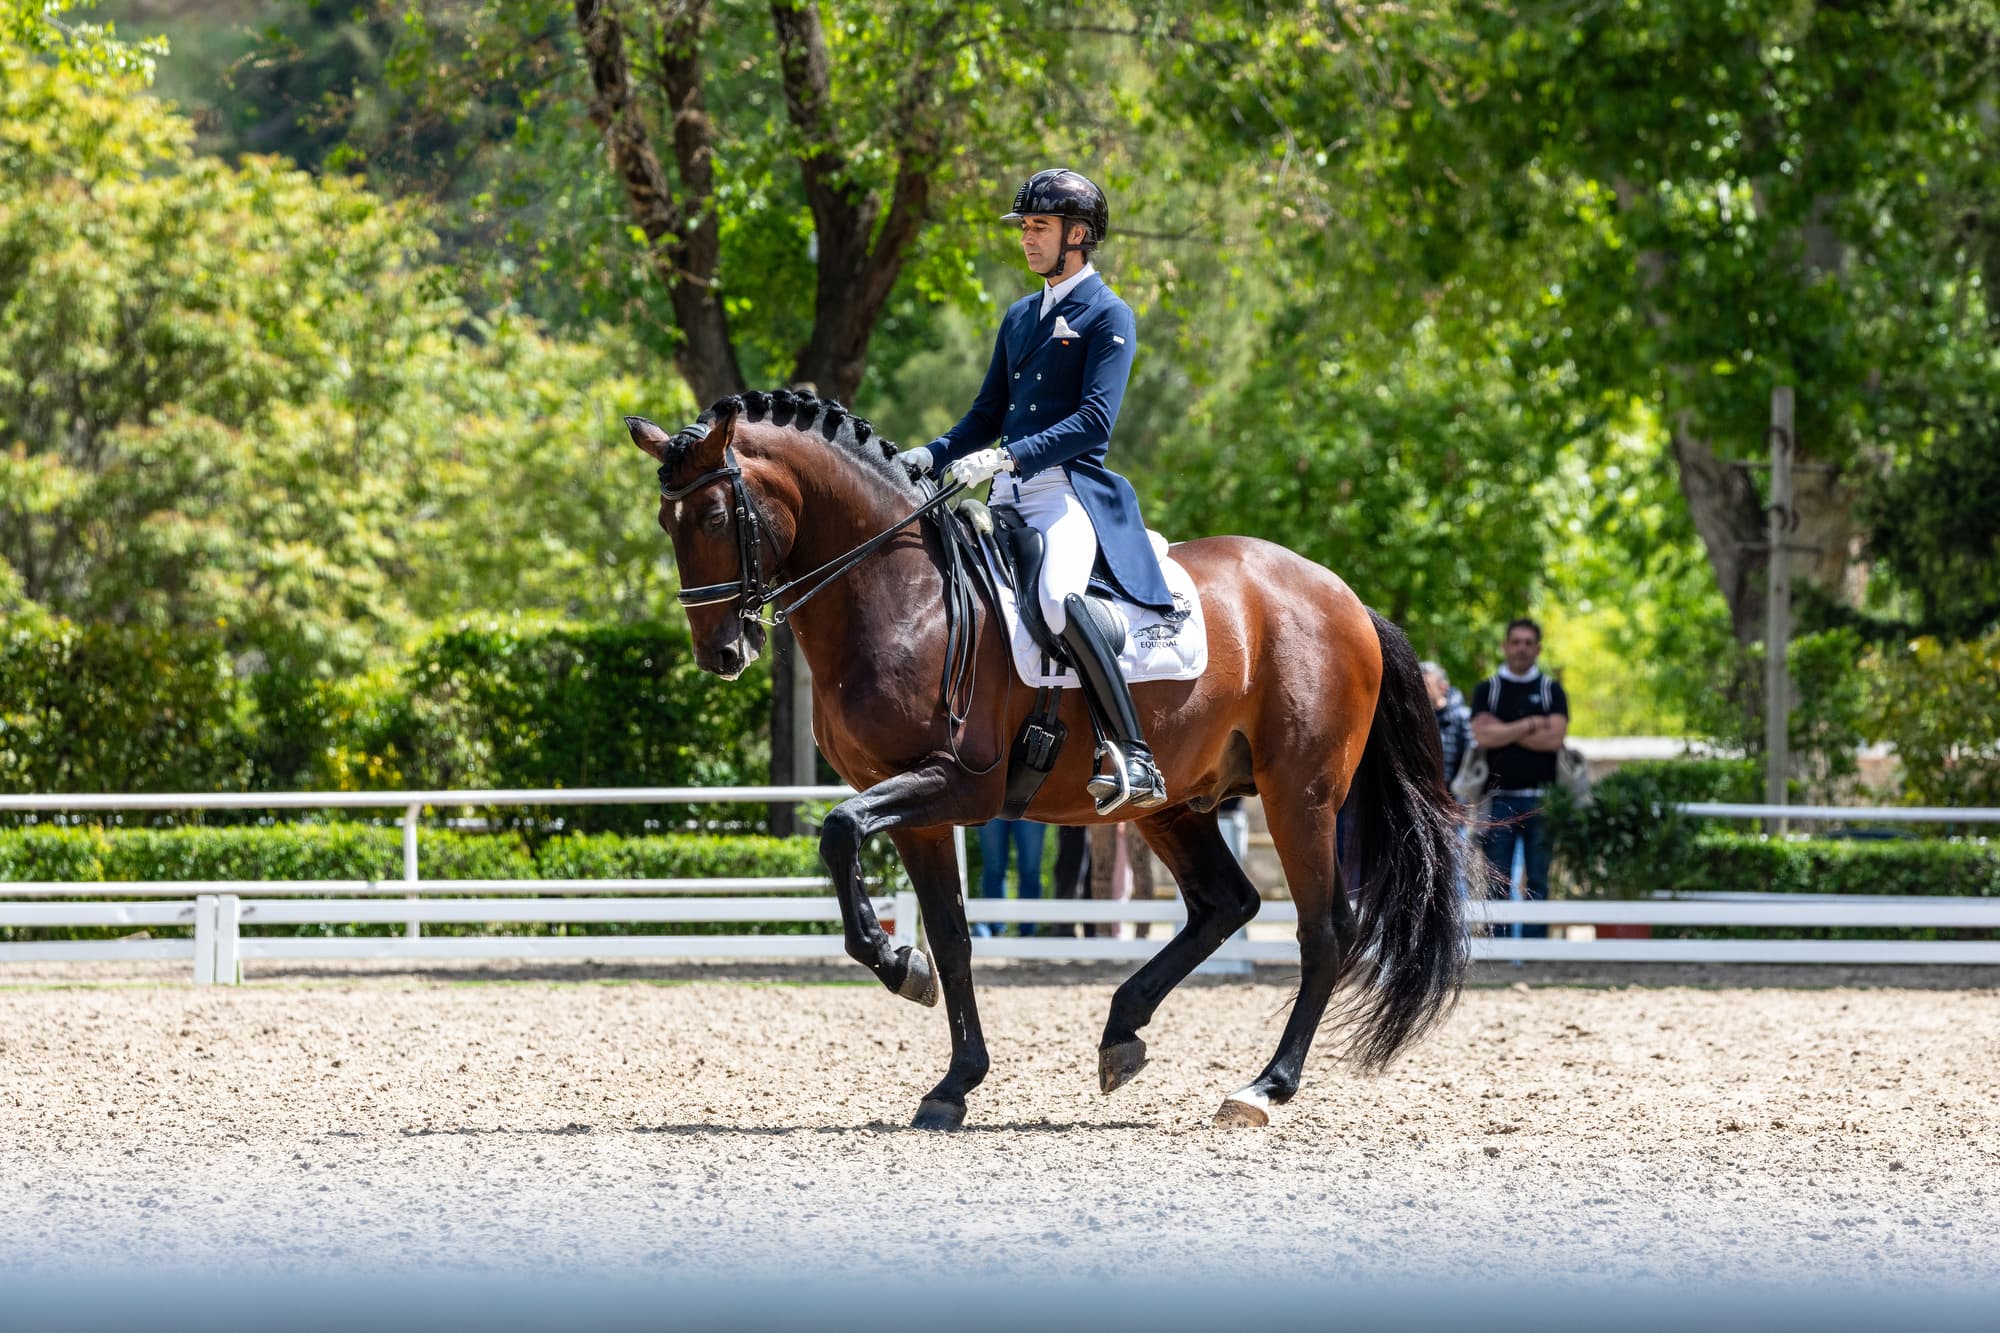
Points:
[[918, 461], [982, 466]]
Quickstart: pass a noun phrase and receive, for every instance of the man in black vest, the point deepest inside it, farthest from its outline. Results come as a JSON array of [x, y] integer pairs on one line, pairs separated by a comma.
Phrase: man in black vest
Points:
[[1520, 718]]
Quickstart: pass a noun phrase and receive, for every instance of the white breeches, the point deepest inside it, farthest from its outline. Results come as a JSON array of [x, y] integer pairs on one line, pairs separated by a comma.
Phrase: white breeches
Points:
[[1049, 506]]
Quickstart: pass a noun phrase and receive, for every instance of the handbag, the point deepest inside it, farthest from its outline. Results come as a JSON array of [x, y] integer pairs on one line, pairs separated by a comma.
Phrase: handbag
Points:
[[1469, 783], [1573, 774]]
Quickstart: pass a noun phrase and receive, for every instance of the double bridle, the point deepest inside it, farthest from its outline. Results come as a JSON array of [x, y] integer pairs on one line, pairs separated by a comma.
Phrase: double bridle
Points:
[[960, 677], [749, 591]]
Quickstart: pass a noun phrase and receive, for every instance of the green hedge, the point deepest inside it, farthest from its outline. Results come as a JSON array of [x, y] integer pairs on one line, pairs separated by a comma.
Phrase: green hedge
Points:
[[497, 704], [1755, 863], [354, 851], [1760, 864], [1627, 842], [1619, 843], [104, 708], [292, 851]]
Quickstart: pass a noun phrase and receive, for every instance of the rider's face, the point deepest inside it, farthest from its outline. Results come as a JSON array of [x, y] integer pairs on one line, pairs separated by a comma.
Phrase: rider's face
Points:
[[1041, 238]]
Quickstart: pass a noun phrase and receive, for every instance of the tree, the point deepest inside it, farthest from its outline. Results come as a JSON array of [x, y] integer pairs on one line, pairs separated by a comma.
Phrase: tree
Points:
[[1681, 205], [239, 398]]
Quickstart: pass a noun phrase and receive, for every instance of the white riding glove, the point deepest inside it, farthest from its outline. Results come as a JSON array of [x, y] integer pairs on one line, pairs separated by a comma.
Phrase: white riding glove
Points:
[[918, 461], [982, 466]]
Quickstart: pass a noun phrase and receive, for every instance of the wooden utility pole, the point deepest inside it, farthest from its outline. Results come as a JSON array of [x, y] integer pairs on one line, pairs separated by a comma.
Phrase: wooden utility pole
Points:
[[805, 766], [1778, 605]]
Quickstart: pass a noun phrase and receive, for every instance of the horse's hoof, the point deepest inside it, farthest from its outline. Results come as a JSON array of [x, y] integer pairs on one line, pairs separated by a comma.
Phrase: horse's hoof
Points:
[[919, 978], [1241, 1115], [934, 1114], [1118, 1062]]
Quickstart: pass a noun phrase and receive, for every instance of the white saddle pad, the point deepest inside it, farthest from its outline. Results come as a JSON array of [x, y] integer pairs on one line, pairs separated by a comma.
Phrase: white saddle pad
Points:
[[1157, 647]]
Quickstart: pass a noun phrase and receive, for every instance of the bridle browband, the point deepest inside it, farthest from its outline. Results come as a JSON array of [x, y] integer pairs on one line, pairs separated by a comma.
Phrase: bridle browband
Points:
[[748, 591]]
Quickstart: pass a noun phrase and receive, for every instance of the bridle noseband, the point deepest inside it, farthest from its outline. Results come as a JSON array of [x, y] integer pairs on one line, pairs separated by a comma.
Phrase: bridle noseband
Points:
[[749, 586]]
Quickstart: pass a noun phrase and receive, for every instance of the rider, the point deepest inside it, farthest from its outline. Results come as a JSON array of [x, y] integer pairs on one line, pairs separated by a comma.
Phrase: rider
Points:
[[1051, 398]]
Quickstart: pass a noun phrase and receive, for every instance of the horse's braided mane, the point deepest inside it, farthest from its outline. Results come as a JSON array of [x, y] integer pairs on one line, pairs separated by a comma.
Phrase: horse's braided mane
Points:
[[802, 411]]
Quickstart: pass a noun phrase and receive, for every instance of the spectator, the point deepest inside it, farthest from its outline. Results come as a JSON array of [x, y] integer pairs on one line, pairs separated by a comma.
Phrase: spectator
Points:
[[995, 837], [1072, 873], [1453, 717], [1519, 718]]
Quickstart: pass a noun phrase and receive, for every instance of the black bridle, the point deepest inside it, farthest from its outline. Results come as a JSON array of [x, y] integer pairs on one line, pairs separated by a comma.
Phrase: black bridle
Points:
[[749, 591], [960, 679]]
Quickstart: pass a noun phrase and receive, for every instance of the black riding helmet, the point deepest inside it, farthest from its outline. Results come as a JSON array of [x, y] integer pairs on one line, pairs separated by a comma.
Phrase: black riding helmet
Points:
[[1060, 192]]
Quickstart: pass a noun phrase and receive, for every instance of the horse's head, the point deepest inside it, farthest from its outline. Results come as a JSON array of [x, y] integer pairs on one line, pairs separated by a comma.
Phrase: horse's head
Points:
[[724, 542]]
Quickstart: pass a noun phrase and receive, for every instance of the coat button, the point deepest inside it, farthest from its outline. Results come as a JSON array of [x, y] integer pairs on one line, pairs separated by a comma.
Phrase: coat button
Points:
[[1031, 407], [1017, 375], [1037, 376]]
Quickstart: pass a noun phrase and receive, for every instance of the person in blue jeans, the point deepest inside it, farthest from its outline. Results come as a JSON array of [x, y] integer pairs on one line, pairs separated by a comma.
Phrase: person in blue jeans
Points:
[[995, 837], [1520, 718]]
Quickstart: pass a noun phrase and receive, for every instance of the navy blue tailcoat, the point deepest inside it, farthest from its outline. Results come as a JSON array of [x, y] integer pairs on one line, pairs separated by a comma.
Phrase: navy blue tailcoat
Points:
[[1052, 402]]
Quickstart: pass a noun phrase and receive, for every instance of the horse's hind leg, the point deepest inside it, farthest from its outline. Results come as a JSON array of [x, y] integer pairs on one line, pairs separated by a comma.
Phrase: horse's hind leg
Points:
[[1302, 827], [1220, 900]]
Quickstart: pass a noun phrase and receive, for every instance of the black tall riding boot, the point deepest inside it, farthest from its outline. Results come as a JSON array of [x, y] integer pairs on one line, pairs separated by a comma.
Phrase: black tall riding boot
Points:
[[1094, 637]]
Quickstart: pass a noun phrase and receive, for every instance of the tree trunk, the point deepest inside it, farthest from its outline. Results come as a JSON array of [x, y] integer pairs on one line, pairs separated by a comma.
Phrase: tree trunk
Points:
[[683, 244], [1729, 517], [1728, 511]]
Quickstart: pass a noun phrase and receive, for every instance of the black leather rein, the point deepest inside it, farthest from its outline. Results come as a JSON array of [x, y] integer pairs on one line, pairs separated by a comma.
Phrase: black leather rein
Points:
[[748, 591]]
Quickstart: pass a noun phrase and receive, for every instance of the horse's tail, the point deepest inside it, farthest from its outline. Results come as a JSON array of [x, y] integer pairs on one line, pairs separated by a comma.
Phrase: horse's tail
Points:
[[1413, 948]]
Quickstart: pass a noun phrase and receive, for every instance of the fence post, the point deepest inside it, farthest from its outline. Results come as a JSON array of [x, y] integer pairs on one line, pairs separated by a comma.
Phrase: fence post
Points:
[[228, 930], [415, 929], [204, 939], [906, 920]]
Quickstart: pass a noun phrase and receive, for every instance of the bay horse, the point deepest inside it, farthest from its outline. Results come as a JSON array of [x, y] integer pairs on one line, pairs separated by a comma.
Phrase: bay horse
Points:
[[1307, 693]]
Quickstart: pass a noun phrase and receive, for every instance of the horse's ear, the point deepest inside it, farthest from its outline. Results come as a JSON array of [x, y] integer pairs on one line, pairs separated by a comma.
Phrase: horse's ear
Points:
[[648, 437]]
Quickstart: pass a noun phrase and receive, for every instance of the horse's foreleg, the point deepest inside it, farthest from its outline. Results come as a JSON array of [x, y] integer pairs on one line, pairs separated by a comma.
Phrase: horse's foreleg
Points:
[[897, 801], [1220, 900], [933, 865]]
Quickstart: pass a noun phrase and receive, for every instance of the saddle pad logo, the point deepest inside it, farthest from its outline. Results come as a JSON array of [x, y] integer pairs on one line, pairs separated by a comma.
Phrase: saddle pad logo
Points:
[[1169, 627]]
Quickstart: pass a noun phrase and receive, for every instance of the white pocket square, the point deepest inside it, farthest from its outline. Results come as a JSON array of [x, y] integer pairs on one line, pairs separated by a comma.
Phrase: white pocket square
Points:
[[1063, 330]]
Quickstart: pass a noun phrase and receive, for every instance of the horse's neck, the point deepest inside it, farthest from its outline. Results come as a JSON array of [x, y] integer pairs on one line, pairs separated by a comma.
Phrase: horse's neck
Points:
[[881, 608]]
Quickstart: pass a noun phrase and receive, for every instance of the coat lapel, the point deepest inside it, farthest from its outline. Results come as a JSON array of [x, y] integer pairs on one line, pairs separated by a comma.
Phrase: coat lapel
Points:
[[1080, 299]]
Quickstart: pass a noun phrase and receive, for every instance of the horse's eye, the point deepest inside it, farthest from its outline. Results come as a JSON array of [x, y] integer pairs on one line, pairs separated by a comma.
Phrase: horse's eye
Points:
[[712, 521]]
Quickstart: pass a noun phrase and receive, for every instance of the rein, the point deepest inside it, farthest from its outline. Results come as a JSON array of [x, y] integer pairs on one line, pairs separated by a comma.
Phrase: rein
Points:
[[748, 591], [751, 595], [961, 667]]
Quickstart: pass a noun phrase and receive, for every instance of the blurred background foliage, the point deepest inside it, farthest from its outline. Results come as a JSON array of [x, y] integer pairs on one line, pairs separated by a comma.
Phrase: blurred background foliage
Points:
[[317, 320]]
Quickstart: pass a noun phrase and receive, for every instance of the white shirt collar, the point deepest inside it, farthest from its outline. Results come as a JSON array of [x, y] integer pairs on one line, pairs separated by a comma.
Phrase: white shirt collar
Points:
[[1052, 294], [1534, 674]]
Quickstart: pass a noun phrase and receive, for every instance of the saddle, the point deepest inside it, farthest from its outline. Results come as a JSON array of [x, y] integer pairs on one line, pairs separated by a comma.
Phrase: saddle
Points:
[[1022, 551]]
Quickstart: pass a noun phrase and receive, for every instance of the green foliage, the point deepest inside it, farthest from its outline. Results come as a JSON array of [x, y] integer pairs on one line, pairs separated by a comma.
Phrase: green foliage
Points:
[[1754, 863], [1934, 702], [290, 851], [502, 705], [489, 705], [244, 398], [675, 855], [357, 851], [1627, 843], [104, 708], [1830, 689], [1627, 840]]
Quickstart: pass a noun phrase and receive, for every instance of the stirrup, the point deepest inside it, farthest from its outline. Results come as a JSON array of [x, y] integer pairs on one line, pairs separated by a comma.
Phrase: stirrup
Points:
[[1116, 788]]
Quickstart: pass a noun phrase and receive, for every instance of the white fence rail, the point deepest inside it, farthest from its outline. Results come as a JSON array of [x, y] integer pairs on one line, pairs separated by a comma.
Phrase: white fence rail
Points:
[[218, 911]]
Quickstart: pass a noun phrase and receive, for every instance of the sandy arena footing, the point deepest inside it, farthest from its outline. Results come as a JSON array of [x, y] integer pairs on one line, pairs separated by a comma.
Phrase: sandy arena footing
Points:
[[1603, 1124]]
